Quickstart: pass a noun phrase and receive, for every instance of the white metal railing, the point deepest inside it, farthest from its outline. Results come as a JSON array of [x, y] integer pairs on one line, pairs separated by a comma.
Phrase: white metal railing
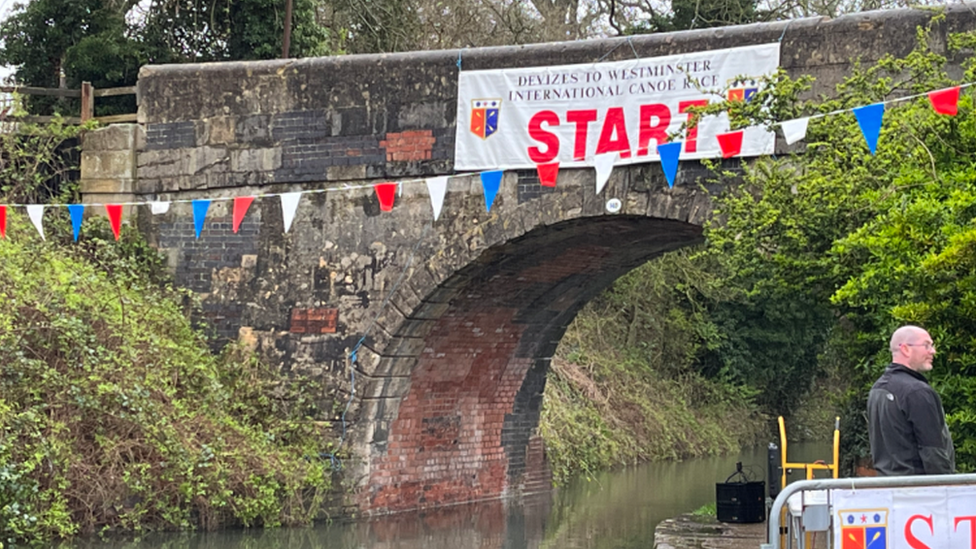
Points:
[[852, 483]]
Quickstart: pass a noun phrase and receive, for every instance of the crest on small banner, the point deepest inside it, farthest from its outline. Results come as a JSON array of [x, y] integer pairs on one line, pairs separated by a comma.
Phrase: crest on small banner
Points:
[[743, 93], [864, 529], [484, 117]]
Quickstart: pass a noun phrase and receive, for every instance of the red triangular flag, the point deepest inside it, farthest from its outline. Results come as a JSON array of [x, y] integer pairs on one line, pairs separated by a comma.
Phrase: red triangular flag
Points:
[[945, 101], [386, 192], [731, 143], [3, 222], [548, 173], [241, 204], [114, 217]]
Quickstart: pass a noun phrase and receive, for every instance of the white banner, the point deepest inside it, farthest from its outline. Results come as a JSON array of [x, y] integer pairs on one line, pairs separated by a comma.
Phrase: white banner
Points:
[[518, 118], [905, 518]]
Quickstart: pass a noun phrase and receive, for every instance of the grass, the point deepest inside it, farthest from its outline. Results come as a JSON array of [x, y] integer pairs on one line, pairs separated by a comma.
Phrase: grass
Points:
[[707, 510]]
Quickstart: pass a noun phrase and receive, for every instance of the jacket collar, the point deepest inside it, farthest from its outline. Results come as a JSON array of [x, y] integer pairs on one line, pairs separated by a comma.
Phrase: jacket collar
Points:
[[895, 367]]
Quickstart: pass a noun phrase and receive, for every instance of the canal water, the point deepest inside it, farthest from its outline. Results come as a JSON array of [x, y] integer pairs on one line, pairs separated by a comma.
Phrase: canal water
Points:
[[612, 510]]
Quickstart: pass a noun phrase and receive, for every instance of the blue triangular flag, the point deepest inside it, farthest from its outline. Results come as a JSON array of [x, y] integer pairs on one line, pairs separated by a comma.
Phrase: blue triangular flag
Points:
[[77, 212], [669, 153], [200, 208], [491, 181], [869, 119]]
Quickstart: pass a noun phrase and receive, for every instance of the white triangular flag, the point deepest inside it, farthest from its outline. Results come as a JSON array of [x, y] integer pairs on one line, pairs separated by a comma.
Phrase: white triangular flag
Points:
[[437, 188], [604, 167], [795, 130], [36, 212], [159, 207], [289, 204]]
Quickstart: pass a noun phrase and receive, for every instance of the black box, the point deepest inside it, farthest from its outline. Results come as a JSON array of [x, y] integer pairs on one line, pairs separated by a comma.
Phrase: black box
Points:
[[740, 502]]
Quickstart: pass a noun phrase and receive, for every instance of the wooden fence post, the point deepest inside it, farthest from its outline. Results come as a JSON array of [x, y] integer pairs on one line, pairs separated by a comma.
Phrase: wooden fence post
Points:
[[87, 102]]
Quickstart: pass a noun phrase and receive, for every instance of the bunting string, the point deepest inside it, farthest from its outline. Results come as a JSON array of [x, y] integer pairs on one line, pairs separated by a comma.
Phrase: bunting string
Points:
[[869, 119], [341, 188], [886, 102]]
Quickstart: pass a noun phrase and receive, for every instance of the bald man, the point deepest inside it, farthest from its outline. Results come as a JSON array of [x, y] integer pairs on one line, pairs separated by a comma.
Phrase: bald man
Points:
[[906, 422]]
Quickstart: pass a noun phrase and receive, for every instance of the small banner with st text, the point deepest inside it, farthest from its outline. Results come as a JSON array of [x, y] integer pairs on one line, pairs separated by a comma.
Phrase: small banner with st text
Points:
[[521, 118], [942, 517]]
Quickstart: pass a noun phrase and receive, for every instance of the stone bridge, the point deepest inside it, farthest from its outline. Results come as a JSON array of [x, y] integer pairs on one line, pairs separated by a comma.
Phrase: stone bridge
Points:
[[454, 321]]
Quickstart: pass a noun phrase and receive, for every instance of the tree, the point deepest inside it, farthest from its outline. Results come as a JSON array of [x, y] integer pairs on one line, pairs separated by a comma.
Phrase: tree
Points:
[[190, 31], [379, 25], [875, 240], [257, 27], [39, 35], [374, 26], [684, 15], [91, 40]]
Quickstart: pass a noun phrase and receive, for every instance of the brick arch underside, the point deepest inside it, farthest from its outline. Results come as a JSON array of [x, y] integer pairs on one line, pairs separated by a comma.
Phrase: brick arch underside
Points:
[[466, 426]]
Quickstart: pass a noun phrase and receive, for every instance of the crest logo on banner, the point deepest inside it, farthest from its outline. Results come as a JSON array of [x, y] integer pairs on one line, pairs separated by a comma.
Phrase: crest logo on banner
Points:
[[742, 94], [484, 117], [864, 529]]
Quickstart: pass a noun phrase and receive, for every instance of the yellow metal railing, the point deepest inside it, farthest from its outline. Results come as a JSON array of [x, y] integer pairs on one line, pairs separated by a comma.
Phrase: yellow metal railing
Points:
[[808, 469]]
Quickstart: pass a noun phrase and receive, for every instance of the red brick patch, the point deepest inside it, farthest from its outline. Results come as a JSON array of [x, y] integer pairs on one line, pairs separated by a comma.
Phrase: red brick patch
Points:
[[408, 146], [314, 321]]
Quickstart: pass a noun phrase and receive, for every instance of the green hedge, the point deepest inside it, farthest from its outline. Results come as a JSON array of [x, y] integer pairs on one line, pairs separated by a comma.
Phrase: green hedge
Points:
[[115, 415]]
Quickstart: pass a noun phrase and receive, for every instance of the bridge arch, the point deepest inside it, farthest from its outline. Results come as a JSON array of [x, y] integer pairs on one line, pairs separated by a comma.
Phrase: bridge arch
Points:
[[455, 378]]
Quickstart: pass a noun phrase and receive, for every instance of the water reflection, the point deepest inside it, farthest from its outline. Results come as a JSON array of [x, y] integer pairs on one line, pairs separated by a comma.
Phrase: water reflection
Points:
[[501, 524], [613, 510]]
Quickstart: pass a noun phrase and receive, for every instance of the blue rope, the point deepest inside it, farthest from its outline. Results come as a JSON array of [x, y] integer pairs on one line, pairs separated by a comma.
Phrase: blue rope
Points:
[[632, 48], [335, 461], [784, 30], [354, 354], [613, 49]]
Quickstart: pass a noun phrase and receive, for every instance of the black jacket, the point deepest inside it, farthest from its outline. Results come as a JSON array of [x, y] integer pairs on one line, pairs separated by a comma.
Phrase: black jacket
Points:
[[907, 427]]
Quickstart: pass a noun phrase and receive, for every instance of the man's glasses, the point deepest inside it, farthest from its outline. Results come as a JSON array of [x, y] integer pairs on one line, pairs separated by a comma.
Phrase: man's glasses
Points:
[[928, 346]]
